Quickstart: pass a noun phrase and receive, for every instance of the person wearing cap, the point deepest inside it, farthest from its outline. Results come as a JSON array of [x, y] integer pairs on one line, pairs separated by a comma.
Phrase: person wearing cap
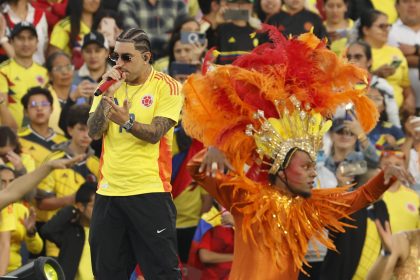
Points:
[[20, 73], [95, 51], [134, 215]]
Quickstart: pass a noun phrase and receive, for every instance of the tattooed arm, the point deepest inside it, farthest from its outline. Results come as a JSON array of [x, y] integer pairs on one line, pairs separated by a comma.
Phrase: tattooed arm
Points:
[[97, 122], [153, 132]]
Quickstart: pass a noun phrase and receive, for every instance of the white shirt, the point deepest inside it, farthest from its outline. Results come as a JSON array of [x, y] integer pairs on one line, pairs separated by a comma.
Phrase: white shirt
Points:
[[401, 33], [41, 30]]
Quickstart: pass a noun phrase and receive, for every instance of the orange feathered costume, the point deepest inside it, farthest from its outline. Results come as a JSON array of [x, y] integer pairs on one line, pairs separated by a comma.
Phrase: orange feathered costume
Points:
[[273, 229]]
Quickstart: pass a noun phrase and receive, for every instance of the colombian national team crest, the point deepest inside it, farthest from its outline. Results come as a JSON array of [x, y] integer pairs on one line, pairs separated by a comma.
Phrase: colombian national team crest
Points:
[[40, 80], [147, 100]]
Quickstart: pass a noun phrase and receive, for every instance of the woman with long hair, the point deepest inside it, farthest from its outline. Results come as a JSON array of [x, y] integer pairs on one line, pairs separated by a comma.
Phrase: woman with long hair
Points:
[[68, 33]]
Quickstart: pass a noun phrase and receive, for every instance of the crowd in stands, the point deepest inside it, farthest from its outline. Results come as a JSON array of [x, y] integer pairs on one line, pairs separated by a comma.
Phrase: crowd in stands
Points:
[[53, 54]]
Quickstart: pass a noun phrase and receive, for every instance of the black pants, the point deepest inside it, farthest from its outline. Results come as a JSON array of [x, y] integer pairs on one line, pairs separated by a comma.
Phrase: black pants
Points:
[[185, 237], [134, 229]]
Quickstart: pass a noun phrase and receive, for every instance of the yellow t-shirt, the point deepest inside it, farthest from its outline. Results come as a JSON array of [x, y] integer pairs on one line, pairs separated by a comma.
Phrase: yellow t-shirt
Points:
[[37, 146], [33, 244], [130, 166], [15, 80], [387, 7], [400, 79], [7, 219], [60, 35], [403, 207], [84, 272], [188, 206]]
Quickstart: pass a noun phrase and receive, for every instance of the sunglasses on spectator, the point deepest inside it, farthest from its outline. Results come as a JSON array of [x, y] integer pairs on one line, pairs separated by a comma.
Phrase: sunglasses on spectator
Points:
[[357, 56], [344, 132], [35, 104], [63, 69], [397, 154], [384, 26]]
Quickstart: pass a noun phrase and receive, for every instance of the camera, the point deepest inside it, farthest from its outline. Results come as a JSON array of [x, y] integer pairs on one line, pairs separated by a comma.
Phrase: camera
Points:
[[193, 37], [352, 168]]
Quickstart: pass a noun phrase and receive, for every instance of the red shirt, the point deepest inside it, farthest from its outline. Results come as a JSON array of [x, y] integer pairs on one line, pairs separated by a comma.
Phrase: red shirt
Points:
[[219, 240], [53, 11]]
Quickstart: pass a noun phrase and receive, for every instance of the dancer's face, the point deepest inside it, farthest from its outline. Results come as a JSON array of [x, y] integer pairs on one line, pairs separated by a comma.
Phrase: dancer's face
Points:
[[299, 175]]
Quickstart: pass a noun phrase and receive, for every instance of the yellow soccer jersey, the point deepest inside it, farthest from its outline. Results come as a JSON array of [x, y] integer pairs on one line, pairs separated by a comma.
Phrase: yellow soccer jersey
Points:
[[7, 219], [130, 166], [55, 115], [33, 244], [15, 80], [36, 145], [400, 78], [60, 35], [387, 7], [403, 207]]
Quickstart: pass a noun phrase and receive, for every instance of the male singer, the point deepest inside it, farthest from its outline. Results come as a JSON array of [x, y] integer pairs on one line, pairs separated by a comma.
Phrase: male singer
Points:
[[134, 216]]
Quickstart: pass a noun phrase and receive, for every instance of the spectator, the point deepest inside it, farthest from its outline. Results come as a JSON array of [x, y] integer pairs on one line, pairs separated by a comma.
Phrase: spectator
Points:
[[155, 17], [266, 8], [38, 138], [60, 73], [387, 62], [60, 186], [212, 17], [337, 25], [190, 52], [295, 19], [357, 7], [69, 230], [6, 49], [25, 230], [95, 52], [360, 53], [16, 11], [385, 135], [235, 36], [411, 147], [405, 34], [11, 152], [54, 10], [21, 72], [68, 33], [7, 226]]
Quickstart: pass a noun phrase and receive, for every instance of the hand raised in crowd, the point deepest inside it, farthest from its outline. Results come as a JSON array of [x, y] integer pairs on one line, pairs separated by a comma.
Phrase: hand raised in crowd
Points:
[[197, 51], [400, 173], [342, 179], [84, 89], [354, 125], [385, 71], [65, 162], [412, 127], [15, 160], [115, 113], [385, 234], [213, 161], [29, 222], [227, 219]]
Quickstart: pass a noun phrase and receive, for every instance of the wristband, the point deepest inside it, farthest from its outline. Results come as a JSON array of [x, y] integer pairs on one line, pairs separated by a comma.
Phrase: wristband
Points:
[[128, 125]]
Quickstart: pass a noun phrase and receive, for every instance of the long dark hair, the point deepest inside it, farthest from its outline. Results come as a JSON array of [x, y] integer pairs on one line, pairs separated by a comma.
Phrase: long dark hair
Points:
[[367, 19], [9, 137], [74, 11]]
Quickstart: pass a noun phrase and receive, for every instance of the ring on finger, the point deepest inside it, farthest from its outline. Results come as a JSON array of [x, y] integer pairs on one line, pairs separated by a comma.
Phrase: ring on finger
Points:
[[214, 165]]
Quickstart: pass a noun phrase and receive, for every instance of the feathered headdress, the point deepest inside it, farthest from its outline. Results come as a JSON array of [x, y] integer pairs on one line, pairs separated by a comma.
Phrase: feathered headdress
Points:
[[282, 94]]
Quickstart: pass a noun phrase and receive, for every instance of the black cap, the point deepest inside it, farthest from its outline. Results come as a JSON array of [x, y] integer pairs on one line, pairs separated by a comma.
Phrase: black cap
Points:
[[97, 38], [23, 25]]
